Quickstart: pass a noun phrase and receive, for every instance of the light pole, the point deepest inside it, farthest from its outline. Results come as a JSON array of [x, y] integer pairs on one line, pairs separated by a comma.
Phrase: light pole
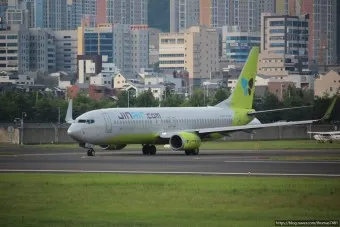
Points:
[[23, 115], [128, 91], [21, 122]]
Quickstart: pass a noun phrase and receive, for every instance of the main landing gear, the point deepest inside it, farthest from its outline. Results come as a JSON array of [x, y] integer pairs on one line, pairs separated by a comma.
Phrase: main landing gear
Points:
[[192, 152], [149, 149]]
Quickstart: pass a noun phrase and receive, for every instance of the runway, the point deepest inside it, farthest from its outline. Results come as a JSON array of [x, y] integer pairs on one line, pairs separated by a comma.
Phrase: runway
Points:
[[257, 162]]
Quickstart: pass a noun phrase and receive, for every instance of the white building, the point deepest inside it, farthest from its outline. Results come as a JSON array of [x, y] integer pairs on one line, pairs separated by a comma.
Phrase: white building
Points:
[[18, 79], [14, 49], [66, 50], [164, 79], [102, 80]]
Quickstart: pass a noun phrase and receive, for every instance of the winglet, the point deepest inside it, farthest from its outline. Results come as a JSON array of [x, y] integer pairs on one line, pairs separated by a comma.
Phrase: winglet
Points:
[[69, 118], [330, 109]]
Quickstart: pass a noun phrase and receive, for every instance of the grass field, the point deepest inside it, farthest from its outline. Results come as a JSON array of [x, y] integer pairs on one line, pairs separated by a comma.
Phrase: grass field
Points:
[[159, 200], [237, 145]]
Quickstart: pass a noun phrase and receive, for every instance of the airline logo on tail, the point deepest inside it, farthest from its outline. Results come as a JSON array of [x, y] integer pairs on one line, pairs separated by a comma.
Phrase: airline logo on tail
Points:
[[247, 86]]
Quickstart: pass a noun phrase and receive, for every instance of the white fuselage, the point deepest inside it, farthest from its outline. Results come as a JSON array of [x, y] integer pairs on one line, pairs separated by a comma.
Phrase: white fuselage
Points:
[[104, 125]]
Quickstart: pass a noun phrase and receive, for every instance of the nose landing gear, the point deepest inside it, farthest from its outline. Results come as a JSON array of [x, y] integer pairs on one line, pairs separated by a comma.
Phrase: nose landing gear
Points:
[[91, 152]]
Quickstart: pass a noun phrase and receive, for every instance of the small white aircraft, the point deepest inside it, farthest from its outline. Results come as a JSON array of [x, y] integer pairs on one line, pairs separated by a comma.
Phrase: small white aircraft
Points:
[[326, 136]]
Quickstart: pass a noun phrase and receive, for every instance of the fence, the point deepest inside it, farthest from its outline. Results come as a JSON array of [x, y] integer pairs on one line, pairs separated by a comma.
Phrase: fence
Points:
[[45, 133]]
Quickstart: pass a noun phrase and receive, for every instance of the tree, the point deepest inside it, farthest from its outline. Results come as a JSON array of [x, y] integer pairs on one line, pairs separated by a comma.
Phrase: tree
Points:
[[146, 99], [220, 95], [172, 100], [125, 99]]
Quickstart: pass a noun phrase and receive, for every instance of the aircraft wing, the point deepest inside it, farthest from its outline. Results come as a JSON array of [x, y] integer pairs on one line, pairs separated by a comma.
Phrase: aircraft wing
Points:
[[229, 129], [325, 133]]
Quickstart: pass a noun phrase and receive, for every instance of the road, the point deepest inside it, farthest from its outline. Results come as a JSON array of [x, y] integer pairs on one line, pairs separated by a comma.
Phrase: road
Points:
[[259, 162]]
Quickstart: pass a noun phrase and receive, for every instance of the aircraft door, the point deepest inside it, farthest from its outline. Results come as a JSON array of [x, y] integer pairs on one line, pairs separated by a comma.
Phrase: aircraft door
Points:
[[108, 123]]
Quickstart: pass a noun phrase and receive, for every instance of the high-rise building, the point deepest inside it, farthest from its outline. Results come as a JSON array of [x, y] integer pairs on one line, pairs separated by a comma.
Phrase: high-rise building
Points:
[[184, 14], [96, 41], [101, 12], [153, 46], [284, 44], [84, 9], [322, 27], [246, 14], [50, 14], [66, 50], [237, 44], [42, 50], [14, 49], [3, 8], [125, 45], [17, 16], [195, 50], [127, 11]]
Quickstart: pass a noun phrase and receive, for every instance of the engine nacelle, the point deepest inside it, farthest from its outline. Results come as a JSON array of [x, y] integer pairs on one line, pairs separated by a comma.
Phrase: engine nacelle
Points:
[[185, 141], [112, 147]]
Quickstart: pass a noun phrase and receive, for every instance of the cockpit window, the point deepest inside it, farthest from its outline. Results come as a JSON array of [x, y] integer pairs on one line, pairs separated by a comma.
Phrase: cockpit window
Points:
[[86, 121]]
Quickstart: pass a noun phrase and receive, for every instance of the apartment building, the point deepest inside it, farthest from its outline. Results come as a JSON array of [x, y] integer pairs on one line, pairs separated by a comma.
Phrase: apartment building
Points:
[[14, 49], [323, 26], [42, 50], [284, 44], [50, 14], [184, 14], [171, 51], [237, 44], [127, 11], [125, 45], [245, 14], [66, 50], [196, 50], [17, 16]]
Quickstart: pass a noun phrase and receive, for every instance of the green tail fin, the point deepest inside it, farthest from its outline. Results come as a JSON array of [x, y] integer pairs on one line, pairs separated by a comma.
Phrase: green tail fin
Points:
[[243, 95]]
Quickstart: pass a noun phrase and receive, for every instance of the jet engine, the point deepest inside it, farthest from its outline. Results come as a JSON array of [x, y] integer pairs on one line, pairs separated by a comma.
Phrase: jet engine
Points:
[[112, 147], [185, 141]]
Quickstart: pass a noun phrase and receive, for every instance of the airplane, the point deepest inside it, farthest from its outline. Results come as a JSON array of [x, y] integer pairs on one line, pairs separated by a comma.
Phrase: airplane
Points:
[[182, 128], [326, 136]]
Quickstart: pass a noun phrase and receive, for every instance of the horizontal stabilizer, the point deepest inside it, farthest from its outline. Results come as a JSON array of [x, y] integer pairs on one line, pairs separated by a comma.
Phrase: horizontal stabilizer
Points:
[[252, 113]]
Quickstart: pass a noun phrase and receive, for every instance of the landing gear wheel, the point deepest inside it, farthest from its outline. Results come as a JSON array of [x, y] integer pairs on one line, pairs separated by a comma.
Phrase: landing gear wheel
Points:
[[192, 152], [196, 152], [149, 150], [152, 149], [91, 152]]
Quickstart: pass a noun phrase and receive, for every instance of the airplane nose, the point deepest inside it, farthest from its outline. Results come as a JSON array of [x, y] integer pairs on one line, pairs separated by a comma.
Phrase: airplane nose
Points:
[[74, 133]]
